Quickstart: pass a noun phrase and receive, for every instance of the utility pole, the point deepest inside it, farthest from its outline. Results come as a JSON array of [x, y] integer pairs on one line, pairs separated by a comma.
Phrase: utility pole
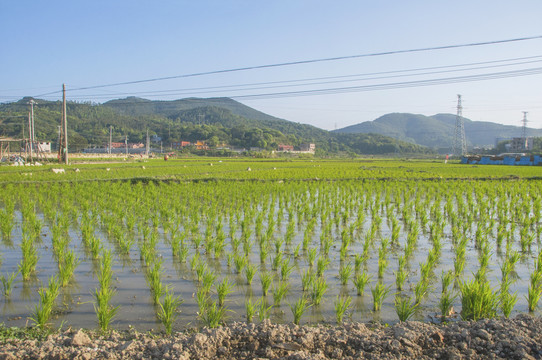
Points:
[[524, 131], [29, 142], [460, 140], [65, 118], [110, 138], [147, 144], [126, 144], [59, 137], [33, 136]]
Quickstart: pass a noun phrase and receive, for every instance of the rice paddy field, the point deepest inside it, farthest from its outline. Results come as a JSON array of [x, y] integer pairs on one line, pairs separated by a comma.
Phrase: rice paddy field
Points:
[[201, 242]]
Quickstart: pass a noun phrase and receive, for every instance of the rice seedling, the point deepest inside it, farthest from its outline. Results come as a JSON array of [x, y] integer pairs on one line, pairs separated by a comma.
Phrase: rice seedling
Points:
[[306, 279], [6, 223], [535, 290], [43, 310], [201, 269], [213, 315], [405, 307], [266, 279], [380, 292], [251, 308], [447, 278], [290, 232], [359, 259], [264, 252], [235, 242], [420, 290], [154, 278], [250, 272], [29, 261], [321, 266], [344, 273], [66, 267], [311, 257], [400, 278], [264, 310], [342, 304], [105, 312], [446, 303], [360, 281], [299, 308], [507, 301], [478, 300], [7, 283], [280, 291], [277, 261], [183, 253], [286, 269], [95, 246], [202, 299], [208, 280], [526, 239], [223, 289], [169, 309], [247, 246], [319, 288], [382, 262], [395, 231], [239, 263]]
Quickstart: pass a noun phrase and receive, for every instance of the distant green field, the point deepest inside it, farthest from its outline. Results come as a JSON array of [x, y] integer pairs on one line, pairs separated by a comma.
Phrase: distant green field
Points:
[[238, 169]]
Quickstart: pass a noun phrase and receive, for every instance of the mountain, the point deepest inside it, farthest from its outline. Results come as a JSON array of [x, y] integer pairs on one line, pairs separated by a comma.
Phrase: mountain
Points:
[[436, 131], [225, 111], [216, 120]]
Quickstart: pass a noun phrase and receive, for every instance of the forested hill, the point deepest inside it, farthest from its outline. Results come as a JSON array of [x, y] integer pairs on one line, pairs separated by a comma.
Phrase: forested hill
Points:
[[216, 120], [436, 131]]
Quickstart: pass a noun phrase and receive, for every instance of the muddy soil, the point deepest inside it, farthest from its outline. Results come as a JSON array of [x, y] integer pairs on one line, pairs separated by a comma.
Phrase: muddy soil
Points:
[[518, 338]]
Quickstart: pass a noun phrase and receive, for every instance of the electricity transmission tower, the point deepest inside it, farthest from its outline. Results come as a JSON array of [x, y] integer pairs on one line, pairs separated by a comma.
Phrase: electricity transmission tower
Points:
[[524, 131], [460, 140]]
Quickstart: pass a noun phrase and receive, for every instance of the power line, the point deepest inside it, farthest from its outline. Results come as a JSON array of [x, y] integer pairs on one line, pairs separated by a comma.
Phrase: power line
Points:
[[311, 81], [300, 62], [388, 86], [397, 85]]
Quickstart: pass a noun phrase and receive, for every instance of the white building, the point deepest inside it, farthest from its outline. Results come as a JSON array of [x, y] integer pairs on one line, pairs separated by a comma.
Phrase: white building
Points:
[[44, 147]]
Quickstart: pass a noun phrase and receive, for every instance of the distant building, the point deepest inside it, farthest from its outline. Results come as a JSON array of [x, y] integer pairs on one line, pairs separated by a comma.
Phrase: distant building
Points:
[[307, 148], [180, 144], [155, 138], [44, 147], [520, 144], [285, 148], [117, 145], [201, 145]]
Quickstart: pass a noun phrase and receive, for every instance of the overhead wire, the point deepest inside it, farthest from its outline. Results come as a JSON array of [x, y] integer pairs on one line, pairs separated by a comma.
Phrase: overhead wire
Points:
[[288, 83], [300, 62], [396, 85]]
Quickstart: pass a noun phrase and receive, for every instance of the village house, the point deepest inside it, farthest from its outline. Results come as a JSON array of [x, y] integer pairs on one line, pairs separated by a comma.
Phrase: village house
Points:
[[177, 145], [285, 148], [311, 148]]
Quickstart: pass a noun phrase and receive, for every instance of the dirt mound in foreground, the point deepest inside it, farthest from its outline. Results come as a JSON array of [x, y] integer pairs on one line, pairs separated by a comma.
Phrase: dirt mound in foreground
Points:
[[519, 338]]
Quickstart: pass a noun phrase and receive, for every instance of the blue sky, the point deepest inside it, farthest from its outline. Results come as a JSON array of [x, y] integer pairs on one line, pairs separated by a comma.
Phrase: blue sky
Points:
[[88, 43]]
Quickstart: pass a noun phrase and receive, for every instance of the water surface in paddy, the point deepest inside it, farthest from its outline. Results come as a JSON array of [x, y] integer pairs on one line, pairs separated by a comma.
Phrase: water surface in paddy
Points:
[[75, 305]]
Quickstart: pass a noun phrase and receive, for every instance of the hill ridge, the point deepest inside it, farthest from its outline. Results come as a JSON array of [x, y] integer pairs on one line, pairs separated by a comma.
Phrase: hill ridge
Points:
[[436, 131]]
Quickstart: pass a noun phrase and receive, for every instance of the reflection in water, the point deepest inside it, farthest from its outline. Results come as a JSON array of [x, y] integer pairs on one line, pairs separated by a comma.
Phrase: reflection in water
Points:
[[27, 288], [7, 307]]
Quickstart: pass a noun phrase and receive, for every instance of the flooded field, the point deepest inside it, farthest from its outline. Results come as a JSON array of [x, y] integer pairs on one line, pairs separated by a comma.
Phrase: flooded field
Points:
[[199, 244]]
